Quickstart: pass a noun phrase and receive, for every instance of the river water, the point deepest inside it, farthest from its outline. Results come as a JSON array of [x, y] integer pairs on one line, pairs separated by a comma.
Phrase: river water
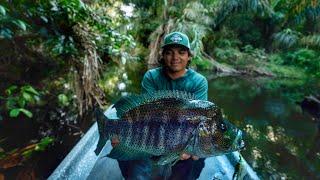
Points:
[[281, 140]]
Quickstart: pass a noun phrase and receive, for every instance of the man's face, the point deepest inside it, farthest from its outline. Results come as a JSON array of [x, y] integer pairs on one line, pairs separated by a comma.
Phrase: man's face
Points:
[[176, 58]]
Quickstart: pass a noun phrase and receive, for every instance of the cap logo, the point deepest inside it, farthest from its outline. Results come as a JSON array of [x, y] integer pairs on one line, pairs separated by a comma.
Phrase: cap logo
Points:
[[176, 38]]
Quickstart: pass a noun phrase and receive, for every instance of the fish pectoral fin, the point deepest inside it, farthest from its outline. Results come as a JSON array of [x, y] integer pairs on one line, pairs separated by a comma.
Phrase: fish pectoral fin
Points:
[[170, 158], [125, 153]]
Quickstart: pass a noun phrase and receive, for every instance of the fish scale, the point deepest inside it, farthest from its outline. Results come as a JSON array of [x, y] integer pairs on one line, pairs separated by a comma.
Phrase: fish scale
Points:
[[167, 137], [165, 124]]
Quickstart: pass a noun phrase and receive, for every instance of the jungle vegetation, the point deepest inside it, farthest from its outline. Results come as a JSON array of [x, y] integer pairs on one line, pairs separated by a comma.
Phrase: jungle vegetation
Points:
[[61, 58]]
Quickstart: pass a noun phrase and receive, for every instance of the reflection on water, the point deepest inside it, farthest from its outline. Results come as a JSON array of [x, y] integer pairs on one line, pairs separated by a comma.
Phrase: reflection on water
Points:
[[281, 141]]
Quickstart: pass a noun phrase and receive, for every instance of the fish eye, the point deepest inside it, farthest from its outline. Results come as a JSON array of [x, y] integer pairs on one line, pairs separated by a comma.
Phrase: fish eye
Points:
[[223, 127]]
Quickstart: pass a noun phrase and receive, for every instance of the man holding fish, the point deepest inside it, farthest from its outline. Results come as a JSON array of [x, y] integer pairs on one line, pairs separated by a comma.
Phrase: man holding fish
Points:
[[173, 75], [165, 124]]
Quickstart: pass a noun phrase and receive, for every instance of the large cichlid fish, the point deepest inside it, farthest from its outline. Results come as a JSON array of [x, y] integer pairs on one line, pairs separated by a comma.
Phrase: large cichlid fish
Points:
[[164, 124]]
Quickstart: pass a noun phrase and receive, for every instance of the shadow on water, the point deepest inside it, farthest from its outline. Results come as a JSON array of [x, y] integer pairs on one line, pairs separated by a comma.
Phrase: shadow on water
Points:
[[281, 141]]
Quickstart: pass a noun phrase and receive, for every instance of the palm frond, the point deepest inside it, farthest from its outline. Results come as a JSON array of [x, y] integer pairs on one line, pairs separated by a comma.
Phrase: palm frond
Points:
[[196, 12], [195, 22], [227, 7], [311, 40], [312, 13], [286, 38]]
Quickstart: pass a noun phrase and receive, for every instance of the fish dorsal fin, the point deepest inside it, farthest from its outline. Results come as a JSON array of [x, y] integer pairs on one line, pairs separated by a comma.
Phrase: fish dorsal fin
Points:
[[127, 103]]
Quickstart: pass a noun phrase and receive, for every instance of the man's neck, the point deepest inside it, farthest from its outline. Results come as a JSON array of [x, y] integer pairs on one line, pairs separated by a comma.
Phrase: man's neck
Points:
[[175, 75]]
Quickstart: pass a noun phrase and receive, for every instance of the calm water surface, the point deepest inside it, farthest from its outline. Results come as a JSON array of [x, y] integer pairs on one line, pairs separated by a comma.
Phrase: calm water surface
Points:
[[281, 141]]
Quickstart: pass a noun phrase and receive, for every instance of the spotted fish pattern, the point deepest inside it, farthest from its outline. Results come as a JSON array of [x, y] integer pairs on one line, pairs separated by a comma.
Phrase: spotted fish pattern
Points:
[[163, 124]]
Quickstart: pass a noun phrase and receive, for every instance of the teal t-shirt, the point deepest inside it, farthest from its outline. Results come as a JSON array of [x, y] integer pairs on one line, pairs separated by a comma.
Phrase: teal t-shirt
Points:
[[193, 82]]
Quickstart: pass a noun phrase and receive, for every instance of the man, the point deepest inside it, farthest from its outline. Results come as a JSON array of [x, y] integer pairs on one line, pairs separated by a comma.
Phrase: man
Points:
[[173, 74]]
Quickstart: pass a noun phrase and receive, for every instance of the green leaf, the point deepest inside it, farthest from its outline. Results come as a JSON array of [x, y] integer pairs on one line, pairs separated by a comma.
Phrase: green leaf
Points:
[[14, 112], [11, 103], [30, 89], [22, 102], [63, 99], [2, 10], [80, 4], [44, 143], [11, 89], [27, 96], [27, 154], [26, 112], [54, 6], [6, 33], [20, 24], [44, 19]]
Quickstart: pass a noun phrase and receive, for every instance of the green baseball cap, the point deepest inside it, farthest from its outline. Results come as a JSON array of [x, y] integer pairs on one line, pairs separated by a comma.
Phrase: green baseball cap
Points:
[[176, 38]]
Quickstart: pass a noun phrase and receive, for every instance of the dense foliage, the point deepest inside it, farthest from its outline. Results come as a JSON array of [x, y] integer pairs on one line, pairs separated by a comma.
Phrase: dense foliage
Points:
[[52, 55]]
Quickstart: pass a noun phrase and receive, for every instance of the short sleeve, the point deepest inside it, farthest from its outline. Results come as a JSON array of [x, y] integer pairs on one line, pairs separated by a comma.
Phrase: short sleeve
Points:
[[147, 83]]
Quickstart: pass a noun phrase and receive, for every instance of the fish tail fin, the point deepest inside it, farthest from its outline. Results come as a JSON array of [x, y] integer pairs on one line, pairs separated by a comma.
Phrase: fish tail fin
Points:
[[101, 122], [100, 146]]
